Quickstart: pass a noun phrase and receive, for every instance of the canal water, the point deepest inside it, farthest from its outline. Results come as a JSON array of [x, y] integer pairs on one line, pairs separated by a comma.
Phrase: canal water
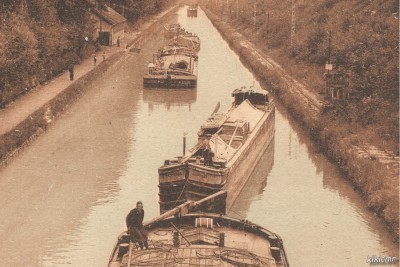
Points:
[[64, 198]]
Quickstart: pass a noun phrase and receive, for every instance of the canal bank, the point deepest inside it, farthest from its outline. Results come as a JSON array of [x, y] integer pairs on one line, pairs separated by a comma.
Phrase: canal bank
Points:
[[28, 117], [374, 173]]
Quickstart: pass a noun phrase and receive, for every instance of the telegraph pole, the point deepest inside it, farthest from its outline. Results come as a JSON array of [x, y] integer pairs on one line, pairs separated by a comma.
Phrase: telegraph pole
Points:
[[255, 14], [237, 8], [329, 46], [293, 28]]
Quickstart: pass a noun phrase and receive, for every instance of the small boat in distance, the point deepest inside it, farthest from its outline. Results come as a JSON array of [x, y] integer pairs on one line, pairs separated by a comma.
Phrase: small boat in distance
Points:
[[172, 67], [192, 11], [183, 237], [237, 139]]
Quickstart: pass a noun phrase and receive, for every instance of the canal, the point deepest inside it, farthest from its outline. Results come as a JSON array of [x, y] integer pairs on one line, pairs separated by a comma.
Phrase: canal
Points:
[[64, 198]]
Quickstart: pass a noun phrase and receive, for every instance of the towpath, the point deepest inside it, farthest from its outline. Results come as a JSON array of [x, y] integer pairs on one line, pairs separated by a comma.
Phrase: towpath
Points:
[[25, 106]]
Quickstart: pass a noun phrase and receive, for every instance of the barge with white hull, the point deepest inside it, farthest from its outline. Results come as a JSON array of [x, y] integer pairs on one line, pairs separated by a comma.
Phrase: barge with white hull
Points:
[[236, 141]]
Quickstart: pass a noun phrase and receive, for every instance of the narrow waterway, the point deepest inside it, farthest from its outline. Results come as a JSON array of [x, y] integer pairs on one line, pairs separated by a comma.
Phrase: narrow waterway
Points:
[[64, 197]]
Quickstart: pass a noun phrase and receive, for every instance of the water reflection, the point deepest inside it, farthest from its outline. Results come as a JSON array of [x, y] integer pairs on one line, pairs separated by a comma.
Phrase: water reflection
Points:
[[255, 186], [168, 98]]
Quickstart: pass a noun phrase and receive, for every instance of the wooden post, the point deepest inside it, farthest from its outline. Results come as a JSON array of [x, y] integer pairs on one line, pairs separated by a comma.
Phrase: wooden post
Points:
[[184, 144], [293, 27], [130, 253], [237, 8], [255, 14], [184, 237]]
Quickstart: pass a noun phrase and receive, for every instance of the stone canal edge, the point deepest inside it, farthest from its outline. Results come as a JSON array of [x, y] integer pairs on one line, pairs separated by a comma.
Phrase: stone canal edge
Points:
[[30, 127]]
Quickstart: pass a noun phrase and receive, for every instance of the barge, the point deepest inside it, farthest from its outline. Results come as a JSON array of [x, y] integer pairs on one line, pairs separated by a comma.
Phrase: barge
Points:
[[188, 40], [183, 237], [173, 29], [172, 67], [236, 140], [192, 11]]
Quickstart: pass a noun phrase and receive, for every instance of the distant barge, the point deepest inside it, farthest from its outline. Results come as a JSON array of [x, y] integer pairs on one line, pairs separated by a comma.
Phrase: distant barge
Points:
[[172, 67], [192, 11], [238, 139]]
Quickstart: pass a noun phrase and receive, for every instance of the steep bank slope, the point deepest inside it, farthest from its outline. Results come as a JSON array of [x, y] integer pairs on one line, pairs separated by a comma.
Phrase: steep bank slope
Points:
[[373, 171]]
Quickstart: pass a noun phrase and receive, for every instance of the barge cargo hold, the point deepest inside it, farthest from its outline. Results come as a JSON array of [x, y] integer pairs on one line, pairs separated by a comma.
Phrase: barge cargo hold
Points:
[[188, 40], [173, 29]]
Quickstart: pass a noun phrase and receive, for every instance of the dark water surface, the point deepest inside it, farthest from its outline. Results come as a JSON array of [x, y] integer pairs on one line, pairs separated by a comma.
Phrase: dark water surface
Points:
[[65, 197]]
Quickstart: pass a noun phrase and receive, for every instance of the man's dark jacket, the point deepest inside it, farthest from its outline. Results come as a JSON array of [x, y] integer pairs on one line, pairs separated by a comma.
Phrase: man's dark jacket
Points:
[[135, 219]]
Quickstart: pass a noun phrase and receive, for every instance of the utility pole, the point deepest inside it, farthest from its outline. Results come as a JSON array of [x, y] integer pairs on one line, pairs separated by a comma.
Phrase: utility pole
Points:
[[237, 8], [293, 28], [329, 46], [255, 14]]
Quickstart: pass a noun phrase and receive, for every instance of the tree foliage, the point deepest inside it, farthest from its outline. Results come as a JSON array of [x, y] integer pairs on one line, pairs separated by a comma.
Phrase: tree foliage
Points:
[[40, 38], [134, 9], [364, 43]]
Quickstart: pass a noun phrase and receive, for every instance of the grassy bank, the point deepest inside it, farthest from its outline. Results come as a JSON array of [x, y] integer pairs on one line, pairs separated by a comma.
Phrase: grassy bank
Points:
[[343, 142]]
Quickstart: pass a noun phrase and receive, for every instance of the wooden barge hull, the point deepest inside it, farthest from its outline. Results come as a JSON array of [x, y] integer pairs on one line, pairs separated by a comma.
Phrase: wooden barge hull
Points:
[[203, 180], [202, 239], [172, 180], [172, 81]]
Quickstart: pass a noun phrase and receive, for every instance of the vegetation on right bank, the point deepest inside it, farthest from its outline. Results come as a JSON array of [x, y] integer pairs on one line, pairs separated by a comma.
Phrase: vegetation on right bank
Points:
[[359, 37], [369, 116]]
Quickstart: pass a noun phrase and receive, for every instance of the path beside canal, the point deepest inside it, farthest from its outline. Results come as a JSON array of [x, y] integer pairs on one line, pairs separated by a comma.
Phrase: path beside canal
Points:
[[29, 115]]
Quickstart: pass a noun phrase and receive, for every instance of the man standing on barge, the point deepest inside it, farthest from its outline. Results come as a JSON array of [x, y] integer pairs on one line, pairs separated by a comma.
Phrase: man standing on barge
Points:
[[134, 222], [207, 153]]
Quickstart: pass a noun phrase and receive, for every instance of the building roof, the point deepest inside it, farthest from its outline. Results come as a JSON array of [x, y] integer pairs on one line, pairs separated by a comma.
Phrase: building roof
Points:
[[109, 15]]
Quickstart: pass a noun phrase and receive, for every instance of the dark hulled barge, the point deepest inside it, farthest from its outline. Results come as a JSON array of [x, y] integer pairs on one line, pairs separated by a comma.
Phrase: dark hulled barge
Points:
[[192, 11], [238, 138], [182, 239]]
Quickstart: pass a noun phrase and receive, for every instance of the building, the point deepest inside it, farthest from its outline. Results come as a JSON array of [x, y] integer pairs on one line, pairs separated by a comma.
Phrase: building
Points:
[[109, 25]]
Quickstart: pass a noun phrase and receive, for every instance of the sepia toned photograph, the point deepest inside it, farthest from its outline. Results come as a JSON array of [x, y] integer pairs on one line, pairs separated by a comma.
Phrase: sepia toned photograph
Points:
[[231, 133]]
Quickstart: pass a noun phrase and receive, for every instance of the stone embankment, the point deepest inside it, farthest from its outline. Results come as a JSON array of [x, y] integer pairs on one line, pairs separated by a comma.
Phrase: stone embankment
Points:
[[18, 131], [372, 171]]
